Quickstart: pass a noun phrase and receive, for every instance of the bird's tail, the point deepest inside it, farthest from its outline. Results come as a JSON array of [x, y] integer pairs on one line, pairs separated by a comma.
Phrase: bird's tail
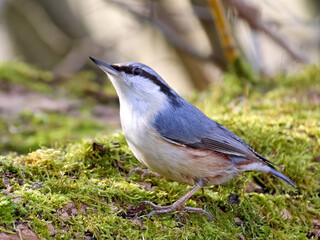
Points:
[[281, 176], [260, 166]]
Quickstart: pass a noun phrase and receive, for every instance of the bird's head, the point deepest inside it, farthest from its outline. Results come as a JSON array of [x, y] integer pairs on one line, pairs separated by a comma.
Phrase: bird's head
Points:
[[137, 82]]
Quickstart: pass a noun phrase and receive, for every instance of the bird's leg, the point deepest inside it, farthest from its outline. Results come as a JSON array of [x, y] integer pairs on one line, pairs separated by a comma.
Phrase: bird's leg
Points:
[[144, 172], [178, 205]]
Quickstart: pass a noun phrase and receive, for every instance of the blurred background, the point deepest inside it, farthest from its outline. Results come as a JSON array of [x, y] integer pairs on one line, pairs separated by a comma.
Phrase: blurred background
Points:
[[51, 93]]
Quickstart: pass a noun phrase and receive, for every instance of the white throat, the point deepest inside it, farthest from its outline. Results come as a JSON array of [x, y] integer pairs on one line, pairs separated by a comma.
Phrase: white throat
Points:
[[137, 108]]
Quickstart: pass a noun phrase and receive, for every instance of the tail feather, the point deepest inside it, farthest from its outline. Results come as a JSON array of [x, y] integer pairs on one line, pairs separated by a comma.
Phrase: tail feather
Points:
[[245, 165], [281, 176]]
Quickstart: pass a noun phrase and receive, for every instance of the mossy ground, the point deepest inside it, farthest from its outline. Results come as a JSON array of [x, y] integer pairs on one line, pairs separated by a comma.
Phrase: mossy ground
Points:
[[66, 117], [79, 190]]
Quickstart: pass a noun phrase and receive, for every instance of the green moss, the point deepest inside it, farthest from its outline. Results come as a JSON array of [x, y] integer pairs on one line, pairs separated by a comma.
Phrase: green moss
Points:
[[7, 210], [82, 190], [243, 71], [308, 77], [21, 73], [28, 131]]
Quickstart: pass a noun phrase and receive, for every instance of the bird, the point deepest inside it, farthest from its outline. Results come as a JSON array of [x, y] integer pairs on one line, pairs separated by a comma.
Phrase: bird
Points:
[[176, 140]]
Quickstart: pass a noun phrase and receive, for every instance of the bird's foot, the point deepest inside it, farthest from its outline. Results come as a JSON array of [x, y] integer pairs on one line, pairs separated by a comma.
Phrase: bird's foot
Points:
[[144, 173], [176, 206]]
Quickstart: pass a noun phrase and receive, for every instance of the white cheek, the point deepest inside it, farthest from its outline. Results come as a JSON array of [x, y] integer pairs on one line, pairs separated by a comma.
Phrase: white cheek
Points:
[[135, 87], [139, 107], [139, 100], [117, 84]]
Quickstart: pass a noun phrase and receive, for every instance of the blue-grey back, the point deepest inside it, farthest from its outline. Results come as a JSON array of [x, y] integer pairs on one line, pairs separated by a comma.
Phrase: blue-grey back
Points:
[[187, 125]]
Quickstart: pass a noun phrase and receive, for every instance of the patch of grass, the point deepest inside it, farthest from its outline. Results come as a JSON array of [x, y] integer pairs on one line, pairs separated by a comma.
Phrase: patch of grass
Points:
[[80, 190]]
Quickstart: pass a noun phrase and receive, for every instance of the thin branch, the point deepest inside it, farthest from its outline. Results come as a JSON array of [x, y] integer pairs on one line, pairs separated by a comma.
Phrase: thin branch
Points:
[[224, 30], [252, 16]]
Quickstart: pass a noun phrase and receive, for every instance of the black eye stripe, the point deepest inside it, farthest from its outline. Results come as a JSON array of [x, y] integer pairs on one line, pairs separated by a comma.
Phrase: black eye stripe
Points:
[[163, 87], [115, 67], [126, 69]]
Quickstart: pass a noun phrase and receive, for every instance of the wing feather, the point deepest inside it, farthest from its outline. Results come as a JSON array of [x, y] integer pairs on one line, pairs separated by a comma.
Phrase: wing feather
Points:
[[188, 126]]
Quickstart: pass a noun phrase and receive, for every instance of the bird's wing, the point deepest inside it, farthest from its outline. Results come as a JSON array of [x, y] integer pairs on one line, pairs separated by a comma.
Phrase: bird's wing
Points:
[[188, 126]]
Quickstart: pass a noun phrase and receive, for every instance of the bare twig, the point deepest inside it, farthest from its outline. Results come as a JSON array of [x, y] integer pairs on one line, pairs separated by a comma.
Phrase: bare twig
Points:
[[252, 15], [223, 30], [20, 235]]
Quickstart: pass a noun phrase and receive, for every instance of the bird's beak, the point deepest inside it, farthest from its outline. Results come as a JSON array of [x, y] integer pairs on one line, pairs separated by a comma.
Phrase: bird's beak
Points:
[[106, 67]]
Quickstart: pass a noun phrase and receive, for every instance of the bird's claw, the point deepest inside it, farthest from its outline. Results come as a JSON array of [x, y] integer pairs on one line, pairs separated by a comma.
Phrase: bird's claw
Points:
[[167, 209]]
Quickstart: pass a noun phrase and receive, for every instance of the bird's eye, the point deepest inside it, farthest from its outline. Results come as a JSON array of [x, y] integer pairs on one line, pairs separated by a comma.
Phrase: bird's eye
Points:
[[136, 71]]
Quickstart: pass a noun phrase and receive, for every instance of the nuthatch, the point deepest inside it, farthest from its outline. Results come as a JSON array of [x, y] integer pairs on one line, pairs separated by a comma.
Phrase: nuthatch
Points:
[[173, 138]]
